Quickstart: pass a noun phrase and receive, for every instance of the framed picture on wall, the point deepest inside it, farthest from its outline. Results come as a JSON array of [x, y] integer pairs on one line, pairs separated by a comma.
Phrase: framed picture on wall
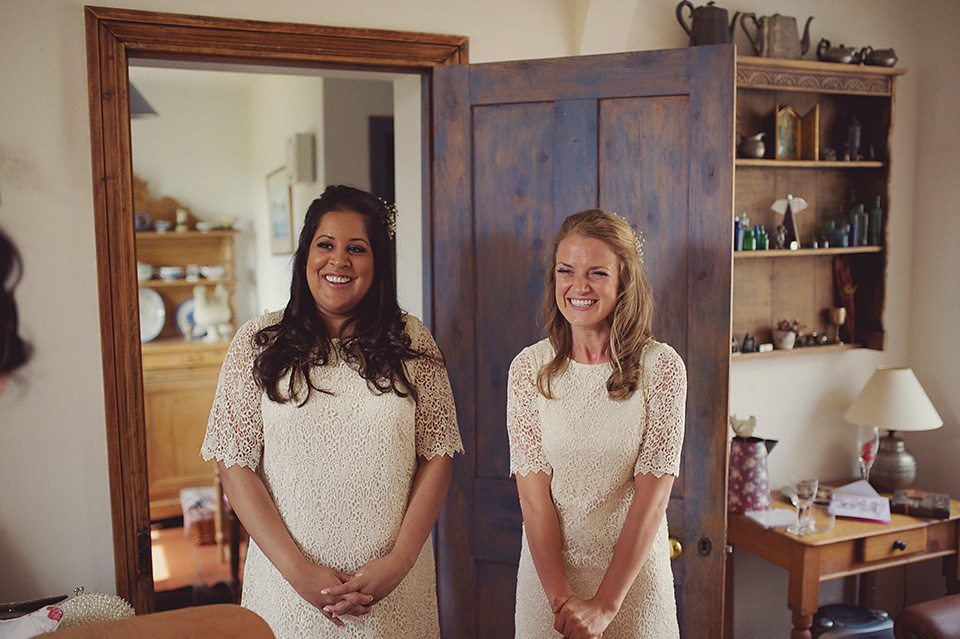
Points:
[[280, 209]]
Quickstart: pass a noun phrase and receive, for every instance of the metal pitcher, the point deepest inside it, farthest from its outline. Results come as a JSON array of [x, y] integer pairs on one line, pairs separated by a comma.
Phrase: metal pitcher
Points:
[[777, 36], [748, 486], [709, 24]]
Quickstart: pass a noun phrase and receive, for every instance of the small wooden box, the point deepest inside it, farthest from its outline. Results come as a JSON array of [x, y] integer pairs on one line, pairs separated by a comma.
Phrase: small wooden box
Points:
[[919, 503]]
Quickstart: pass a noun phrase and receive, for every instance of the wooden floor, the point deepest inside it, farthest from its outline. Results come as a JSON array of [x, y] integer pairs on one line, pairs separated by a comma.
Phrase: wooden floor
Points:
[[186, 574]]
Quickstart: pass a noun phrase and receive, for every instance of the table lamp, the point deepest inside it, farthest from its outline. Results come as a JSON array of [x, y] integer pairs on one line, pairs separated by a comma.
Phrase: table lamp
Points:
[[893, 400]]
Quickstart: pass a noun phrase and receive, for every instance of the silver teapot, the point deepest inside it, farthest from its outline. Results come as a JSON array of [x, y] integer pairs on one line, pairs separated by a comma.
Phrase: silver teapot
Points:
[[777, 36]]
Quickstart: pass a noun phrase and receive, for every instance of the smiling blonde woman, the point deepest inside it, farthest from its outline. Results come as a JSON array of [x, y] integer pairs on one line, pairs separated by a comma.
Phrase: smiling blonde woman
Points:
[[595, 417]]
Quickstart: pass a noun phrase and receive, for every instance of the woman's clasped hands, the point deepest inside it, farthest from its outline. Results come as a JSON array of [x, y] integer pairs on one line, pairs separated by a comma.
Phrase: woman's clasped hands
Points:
[[356, 593], [576, 618], [314, 582]]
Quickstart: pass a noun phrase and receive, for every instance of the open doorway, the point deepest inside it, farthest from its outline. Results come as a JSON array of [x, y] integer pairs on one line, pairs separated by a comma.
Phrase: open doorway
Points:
[[219, 134]]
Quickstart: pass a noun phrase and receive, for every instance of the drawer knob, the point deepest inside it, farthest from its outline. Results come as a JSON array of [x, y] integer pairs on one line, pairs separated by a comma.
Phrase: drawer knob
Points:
[[899, 545]]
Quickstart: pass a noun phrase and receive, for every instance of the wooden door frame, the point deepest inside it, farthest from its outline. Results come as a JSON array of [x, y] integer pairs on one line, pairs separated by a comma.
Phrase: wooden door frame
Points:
[[114, 36]]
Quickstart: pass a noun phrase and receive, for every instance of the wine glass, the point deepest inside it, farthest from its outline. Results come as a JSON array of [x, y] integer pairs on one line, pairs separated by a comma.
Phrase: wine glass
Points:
[[805, 491], [868, 440]]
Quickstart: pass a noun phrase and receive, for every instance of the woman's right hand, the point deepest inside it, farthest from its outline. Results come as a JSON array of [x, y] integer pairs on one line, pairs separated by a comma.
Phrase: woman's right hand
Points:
[[310, 580]]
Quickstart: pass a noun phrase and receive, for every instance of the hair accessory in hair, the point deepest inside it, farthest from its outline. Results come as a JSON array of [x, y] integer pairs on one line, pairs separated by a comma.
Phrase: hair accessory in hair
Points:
[[637, 237], [391, 211]]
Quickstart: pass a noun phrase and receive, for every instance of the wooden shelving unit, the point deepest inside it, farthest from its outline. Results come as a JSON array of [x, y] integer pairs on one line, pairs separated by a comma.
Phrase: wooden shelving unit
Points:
[[782, 284]]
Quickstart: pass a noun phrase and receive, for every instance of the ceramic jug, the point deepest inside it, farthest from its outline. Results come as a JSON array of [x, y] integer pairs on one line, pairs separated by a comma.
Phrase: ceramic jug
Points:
[[777, 36], [748, 485], [752, 146], [709, 24]]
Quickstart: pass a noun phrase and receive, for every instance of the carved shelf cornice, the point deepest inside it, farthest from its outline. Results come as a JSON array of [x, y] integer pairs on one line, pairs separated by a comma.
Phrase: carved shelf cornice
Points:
[[822, 77]]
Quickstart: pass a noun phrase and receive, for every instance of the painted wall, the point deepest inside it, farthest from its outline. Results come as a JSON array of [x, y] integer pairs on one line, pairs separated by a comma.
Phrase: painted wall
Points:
[[54, 509]]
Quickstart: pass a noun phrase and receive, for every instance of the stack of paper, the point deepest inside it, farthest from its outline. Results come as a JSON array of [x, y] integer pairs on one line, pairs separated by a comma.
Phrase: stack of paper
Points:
[[860, 500], [773, 517]]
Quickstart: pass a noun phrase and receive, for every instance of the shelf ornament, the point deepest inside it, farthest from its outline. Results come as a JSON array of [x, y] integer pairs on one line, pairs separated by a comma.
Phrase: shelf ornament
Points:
[[787, 207]]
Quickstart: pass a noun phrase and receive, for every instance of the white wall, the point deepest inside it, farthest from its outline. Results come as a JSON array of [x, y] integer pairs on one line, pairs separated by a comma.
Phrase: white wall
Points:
[[54, 509], [197, 152]]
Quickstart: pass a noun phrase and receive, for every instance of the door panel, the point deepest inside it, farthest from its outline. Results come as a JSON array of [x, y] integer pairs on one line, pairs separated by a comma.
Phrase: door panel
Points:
[[517, 147]]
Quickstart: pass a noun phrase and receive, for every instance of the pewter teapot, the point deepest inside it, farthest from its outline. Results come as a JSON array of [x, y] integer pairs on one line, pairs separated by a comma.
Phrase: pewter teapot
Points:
[[845, 55], [709, 24], [878, 57], [777, 36]]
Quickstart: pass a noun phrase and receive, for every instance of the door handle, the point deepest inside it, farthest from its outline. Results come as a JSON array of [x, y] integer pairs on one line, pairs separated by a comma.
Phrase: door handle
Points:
[[675, 547]]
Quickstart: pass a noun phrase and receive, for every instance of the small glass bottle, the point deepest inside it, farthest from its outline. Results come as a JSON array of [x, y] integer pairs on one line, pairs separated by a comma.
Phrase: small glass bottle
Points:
[[861, 223], [840, 229], [737, 235], [749, 241], [761, 239], [876, 222]]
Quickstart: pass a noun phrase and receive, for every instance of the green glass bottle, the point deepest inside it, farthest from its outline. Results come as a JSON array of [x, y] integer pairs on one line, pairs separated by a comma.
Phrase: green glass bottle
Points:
[[876, 223]]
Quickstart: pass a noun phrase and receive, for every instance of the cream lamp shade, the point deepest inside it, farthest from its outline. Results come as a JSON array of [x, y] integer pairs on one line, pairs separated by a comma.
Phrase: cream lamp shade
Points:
[[893, 400]]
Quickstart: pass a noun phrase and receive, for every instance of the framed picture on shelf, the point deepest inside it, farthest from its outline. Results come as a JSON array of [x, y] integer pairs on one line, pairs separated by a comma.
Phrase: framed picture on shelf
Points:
[[280, 210]]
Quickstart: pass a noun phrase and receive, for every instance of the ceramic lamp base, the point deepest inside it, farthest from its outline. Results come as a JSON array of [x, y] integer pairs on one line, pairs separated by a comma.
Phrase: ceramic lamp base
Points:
[[894, 467]]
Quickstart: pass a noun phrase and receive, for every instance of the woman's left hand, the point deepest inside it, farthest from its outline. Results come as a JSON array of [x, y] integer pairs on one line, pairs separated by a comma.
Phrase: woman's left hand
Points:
[[377, 578], [583, 619]]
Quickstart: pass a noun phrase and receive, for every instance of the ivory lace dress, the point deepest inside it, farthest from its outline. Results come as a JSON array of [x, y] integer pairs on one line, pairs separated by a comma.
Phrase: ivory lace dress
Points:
[[593, 447], [339, 469]]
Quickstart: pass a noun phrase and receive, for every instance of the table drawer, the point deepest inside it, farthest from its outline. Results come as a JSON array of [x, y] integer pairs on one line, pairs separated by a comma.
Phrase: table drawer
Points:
[[898, 544]]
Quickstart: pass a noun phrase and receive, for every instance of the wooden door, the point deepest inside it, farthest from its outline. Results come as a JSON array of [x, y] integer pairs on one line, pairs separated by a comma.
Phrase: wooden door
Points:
[[518, 146]]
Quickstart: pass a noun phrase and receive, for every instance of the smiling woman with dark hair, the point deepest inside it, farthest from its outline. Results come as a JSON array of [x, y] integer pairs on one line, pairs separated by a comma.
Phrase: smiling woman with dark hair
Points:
[[14, 352], [334, 429]]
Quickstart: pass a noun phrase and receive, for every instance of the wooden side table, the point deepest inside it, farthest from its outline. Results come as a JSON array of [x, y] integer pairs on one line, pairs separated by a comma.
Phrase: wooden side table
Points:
[[853, 547]]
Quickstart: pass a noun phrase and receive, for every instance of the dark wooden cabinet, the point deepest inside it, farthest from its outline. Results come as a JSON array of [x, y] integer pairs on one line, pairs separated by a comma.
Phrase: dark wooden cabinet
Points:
[[800, 284]]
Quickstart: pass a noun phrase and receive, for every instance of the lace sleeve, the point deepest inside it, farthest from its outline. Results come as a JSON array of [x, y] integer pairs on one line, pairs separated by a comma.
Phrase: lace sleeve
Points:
[[665, 388], [437, 432], [235, 428], [523, 419]]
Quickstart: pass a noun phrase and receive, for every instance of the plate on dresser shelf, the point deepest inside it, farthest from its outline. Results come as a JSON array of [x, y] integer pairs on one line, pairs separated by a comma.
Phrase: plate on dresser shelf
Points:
[[152, 314], [184, 321]]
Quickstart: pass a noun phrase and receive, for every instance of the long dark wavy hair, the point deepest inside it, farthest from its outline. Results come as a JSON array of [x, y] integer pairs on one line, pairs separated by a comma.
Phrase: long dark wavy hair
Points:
[[376, 345], [14, 351], [632, 320]]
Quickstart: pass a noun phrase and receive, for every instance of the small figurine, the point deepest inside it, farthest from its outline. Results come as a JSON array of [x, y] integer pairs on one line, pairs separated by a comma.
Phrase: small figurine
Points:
[[181, 220], [781, 236], [787, 207], [212, 313]]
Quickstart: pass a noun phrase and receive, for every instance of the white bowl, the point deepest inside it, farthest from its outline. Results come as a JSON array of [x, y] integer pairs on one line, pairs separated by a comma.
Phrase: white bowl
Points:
[[144, 271], [214, 272], [205, 227], [170, 272]]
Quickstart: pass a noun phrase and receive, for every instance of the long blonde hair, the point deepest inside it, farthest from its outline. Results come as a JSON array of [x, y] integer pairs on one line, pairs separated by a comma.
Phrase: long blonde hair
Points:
[[631, 326]]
